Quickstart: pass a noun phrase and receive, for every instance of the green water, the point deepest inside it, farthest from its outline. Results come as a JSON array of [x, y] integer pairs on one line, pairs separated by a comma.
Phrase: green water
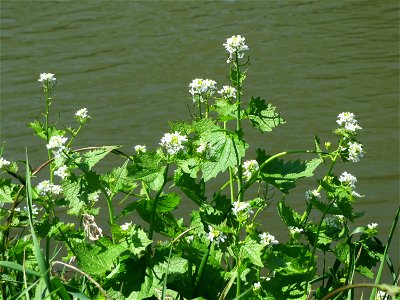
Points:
[[130, 64]]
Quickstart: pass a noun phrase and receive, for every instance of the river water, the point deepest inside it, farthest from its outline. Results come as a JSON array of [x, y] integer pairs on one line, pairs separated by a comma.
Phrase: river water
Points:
[[130, 64]]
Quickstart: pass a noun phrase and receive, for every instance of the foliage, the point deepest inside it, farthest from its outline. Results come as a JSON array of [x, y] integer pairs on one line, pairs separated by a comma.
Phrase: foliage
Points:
[[220, 250]]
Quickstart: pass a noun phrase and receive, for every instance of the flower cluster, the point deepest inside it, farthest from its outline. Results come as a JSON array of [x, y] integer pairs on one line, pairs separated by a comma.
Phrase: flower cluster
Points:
[[241, 208], [295, 230], [56, 143], [348, 179], [200, 89], [46, 188], [312, 194], [356, 151], [62, 172], [140, 148], [82, 115], [228, 92], [126, 226], [92, 231], [35, 210], [46, 77], [4, 163], [235, 45], [249, 168], [267, 239], [372, 226], [348, 121], [173, 142], [215, 235]]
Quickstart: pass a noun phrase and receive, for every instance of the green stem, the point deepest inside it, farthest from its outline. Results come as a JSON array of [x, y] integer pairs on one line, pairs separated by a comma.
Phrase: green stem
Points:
[[199, 273], [155, 202], [238, 125], [383, 259], [238, 281], [74, 134]]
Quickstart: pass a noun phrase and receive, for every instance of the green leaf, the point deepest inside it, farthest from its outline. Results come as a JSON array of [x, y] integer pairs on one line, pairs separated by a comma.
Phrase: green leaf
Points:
[[5, 192], [168, 202], [91, 158], [18, 267], [289, 216], [262, 115], [119, 180], [188, 185], [223, 151], [100, 257], [148, 167], [138, 240], [283, 175], [38, 129], [71, 190], [252, 249], [226, 111]]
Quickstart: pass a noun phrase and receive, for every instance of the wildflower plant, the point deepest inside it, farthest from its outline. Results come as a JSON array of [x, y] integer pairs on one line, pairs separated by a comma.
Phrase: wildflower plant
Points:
[[221, 250]]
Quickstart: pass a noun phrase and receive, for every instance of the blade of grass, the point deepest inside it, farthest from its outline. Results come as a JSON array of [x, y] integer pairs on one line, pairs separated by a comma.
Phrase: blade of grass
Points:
[[379, 274], [18, 267], [44, 270]]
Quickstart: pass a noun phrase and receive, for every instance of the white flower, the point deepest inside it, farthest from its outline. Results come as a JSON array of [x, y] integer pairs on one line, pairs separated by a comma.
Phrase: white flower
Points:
[[380, 295], [56, 189], [82, 115], [355, 151], [126, 226], [190, 238], [44, 187], [35, 209], [92, 231], [173, 142], [4, 163], [331, 222], [140, 148], [62, 172], [256, 285], [228, 92], [348, 179], [348, 121], [215, 235], [312, 194], [202, 88], [372, 225], [267, 239], [235, 45], [56, 142], [249, 168], [295, 230], [47, 188], [241, 207], [46, 77], [94, 197]]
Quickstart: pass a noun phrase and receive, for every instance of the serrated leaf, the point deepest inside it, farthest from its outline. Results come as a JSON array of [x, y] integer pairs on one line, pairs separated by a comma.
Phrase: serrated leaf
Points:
[[38, 129], [5, 194], [168, 202], [90, 159], [226, 111], [100, 257], [188, 185], [223, 151], [252, 249], [137, 240], [289, 216], [263, 116], [149, 168], [283, 174], [71, 190]]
